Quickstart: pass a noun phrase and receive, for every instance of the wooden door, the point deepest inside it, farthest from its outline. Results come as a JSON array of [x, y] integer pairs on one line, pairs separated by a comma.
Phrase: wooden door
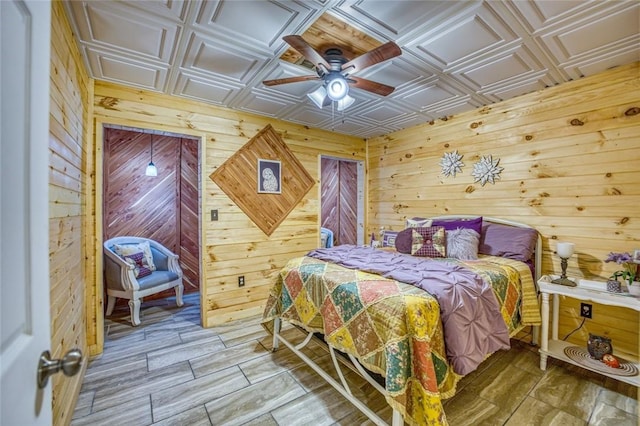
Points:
[[339, 199], [163, 208], [24, 230]]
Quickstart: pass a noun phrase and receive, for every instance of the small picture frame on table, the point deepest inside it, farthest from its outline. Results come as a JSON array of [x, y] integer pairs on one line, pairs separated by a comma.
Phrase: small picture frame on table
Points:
[[636, 255], [269, 177]]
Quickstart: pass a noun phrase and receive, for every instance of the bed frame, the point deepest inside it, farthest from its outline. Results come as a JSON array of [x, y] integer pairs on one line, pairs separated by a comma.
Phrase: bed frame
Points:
[[343, 386]]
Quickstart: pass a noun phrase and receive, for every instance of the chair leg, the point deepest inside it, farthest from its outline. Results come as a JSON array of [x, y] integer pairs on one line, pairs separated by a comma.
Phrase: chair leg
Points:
[[179, 290], [134, 307], [111, 303]]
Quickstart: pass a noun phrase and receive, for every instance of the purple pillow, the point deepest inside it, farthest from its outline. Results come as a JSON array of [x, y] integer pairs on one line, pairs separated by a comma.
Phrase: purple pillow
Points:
[[453, 224], [508, 241], [404, 241]]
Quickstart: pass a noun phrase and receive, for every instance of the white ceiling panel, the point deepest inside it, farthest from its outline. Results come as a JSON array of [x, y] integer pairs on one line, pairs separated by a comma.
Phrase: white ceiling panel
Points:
[[267, 104], [109, 67], [125, 29], [611, 32], [206, 90], [389, 19], [424, 96], [260, 24], [175, 10], [221, 60], [456, 55], [537, 14], [478, 33]]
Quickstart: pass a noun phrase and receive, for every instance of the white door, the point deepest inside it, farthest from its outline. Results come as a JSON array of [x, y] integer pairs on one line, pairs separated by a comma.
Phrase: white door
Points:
[[24, 234]]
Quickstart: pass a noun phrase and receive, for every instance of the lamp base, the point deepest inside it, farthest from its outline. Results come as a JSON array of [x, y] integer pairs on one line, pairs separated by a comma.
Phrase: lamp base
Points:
[[564, 281]]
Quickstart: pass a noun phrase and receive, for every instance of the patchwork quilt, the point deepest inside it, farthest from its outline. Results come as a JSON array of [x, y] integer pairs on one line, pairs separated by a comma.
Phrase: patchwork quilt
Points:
[[393, 328]]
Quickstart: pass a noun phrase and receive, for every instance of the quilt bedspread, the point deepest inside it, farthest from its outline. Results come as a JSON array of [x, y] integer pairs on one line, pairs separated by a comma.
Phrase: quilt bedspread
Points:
[[394, 329]]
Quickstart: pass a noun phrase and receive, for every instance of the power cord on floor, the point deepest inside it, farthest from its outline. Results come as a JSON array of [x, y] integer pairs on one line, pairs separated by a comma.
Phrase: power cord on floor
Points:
[[579, 327]]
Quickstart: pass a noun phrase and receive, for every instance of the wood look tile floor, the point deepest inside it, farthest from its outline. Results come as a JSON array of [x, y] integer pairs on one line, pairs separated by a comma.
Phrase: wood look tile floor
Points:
[[171, 371]]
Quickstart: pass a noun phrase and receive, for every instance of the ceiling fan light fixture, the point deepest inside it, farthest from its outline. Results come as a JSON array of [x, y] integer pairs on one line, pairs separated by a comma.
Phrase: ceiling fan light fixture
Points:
[[318, 96], [345, 102], [337, 87]]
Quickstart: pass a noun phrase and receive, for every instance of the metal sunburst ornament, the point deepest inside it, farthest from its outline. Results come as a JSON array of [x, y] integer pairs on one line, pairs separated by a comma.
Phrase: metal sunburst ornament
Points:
[[486, 170], [451, 163]]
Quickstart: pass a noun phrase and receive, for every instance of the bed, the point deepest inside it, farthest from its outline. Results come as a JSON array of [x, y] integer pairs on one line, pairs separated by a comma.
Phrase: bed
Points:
[[410, 313]]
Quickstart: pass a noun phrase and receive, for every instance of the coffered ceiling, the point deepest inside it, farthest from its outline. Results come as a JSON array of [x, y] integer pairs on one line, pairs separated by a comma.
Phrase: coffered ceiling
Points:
[[456, 55]]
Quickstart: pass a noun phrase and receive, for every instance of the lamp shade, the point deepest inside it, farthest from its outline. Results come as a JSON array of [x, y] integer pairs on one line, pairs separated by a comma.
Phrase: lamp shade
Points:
[[152, 170], [337, 87], [318, 96], [564, 250], [345, 102]]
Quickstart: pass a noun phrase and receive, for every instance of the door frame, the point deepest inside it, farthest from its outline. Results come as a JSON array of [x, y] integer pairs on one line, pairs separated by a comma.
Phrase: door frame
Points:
[[100, 124], [360, 213]]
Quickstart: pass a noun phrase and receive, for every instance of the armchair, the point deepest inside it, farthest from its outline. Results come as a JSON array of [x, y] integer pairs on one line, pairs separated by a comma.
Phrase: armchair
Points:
[[132, 276]]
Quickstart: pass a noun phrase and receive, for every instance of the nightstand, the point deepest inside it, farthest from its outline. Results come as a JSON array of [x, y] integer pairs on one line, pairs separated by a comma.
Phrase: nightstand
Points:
[[555, 347]]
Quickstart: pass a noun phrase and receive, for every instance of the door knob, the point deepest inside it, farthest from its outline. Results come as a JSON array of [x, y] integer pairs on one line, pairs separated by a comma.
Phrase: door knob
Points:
[[69, 364]]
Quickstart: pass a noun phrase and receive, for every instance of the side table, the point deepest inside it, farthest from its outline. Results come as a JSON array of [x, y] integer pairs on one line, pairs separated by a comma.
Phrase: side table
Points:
[[555, 347]]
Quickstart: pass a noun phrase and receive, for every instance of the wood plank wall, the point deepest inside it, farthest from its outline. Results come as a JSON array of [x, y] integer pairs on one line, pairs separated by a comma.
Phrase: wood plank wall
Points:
[[571, 158], [71, 233], [233, 245]]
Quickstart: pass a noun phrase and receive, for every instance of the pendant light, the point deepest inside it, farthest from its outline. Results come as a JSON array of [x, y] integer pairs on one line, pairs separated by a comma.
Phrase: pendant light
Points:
[[152, 170]]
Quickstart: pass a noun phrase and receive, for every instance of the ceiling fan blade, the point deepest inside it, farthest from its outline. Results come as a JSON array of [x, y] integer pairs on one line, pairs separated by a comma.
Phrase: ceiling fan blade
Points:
[[290, 80], [300, 44], [371, 86], [379, 54]]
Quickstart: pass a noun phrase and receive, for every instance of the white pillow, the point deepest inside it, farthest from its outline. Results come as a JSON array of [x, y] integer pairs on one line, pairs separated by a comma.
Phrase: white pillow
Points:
[[462, 243], [418, 222], [123, 250]]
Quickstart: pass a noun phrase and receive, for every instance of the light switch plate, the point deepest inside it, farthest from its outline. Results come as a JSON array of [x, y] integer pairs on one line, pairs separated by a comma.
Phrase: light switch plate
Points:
[[214, 215]]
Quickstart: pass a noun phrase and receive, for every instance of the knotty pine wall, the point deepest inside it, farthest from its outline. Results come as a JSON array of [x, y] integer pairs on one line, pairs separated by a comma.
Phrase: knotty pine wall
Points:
[[233, 245], [571, 158], [71, 231]]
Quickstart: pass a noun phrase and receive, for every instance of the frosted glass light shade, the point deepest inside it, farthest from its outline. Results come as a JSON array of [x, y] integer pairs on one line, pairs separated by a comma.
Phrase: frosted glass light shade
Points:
[[317, 96], [565, 250], [337, 88], [152, 170], [345, 103]]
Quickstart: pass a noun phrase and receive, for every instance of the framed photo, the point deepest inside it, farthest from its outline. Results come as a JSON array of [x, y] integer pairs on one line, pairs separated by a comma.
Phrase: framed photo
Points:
[[269, 177], [636, 255]]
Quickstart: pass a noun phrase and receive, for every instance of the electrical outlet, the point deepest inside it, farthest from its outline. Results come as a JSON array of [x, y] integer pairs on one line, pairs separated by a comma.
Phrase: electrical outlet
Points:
[[586, 310], [241, 281]]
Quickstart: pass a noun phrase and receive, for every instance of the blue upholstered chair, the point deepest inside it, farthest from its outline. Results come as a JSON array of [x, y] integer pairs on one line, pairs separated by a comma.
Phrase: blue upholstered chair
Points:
[[326, 237], [131, 274]]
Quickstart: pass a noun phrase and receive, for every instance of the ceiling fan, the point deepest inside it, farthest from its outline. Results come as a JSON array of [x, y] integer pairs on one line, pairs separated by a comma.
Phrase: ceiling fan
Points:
[[336, 72]]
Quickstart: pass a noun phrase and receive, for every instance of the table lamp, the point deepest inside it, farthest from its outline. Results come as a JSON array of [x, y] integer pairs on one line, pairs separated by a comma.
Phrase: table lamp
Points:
[[565, 251]]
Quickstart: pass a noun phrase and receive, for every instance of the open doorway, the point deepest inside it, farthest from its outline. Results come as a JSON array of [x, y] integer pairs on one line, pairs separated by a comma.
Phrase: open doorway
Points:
[[342, 199], [164, 208]]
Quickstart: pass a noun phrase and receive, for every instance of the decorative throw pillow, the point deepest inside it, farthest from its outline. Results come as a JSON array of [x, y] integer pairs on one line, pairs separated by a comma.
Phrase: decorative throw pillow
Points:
[[403, 241], [468, 223], [123, 250], [428, 242], [508, 241], [463, 244], [139, 268], [389, 238], [418, 222]]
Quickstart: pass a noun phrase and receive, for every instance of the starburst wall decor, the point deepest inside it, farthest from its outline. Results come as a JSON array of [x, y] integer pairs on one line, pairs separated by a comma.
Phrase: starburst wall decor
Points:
[[451, 163], [487, 170]]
